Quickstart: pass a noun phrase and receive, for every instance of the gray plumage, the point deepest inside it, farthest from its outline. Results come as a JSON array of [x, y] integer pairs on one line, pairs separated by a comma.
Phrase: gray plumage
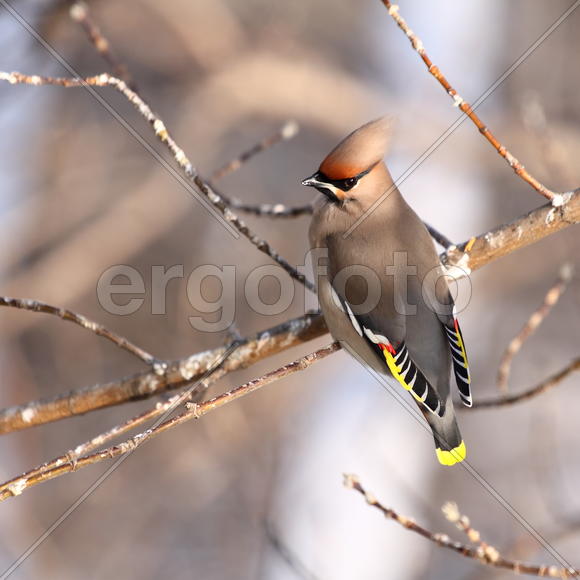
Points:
[[377, 248]]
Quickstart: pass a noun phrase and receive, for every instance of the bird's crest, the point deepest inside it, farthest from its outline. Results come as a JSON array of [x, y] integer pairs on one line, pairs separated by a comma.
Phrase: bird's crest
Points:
[[362, 149]]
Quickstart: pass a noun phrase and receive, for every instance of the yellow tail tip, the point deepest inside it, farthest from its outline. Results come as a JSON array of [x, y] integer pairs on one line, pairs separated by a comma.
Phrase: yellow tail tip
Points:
[[452, 457]]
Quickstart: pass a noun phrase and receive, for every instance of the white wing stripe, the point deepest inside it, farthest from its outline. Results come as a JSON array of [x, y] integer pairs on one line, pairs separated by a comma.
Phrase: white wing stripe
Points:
[[456, 350], [404, 359], [404, 373], [353, 320]]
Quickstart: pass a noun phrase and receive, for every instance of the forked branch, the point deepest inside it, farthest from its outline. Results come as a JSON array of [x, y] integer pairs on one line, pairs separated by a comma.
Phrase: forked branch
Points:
[[481, 552], [72, 462], [162, 133], [83, 322]]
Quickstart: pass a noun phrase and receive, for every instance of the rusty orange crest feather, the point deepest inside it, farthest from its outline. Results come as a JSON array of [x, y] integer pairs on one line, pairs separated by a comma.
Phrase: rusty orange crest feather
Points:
[[360, 150]]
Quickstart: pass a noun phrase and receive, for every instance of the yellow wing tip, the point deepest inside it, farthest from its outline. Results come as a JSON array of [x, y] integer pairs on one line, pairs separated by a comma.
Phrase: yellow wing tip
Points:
[[452, 457]]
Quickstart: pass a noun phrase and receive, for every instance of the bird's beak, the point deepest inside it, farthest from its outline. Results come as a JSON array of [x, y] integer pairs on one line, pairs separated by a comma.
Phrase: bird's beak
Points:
[[312, 181], [322, 186]]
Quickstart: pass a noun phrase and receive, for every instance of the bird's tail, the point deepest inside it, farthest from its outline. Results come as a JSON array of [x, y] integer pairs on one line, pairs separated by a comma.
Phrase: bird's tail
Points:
[[449, 444]]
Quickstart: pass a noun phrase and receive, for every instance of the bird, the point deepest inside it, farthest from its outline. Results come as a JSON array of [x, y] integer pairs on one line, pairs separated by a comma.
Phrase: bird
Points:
[[381, 286]]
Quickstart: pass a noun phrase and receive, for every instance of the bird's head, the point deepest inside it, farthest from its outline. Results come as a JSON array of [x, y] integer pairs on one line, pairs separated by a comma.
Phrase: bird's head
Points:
[[355, 167]]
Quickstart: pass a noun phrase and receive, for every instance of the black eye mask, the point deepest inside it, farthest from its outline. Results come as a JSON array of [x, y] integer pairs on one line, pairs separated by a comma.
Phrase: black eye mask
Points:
[[344, 184]]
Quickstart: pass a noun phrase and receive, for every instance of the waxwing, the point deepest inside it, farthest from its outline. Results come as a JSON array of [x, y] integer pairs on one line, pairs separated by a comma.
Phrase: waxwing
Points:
[[381, 285]]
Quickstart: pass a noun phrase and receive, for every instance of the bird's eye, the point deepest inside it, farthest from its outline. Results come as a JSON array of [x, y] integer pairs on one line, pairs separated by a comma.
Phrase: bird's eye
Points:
[[350, 183]]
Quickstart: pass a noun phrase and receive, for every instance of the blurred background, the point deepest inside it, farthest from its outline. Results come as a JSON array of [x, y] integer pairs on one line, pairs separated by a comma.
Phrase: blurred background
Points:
[[215, 498]]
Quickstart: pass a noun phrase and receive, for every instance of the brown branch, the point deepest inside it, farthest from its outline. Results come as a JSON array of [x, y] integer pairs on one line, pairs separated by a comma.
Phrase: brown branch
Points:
[[147, 384], [452, 513], [483, 553], [523, 231], [483, 249], [79, 12], [556, 198], [538, 316], [98, 329], [544, 386], [161, 132], [276, 210], [285, 133], [17, 485], [72, 456]]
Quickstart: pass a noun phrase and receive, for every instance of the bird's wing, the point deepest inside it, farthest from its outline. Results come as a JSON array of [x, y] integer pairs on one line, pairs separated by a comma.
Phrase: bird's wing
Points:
[[460, 362], [397, 358], [448, 319]]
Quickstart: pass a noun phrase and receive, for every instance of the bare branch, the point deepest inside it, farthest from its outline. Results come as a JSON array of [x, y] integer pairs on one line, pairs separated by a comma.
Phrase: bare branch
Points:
[[544, 386], [452, 513], [523, 231], [285, 133], [161, 132], [79, 12], [556, 198], [178, 374], [17, 485], [96, 328], [538, 316], [276, 210], [98, 441], [483, 553]]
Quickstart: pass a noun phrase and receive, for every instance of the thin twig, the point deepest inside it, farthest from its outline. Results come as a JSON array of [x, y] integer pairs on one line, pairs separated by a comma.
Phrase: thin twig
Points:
[[276, 210], [487, 555], [285, 133], [161, 132], [556, 198], [96, 328], [452, 513], [79, 12], [17, 485], [550, 300], [544, 386]]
